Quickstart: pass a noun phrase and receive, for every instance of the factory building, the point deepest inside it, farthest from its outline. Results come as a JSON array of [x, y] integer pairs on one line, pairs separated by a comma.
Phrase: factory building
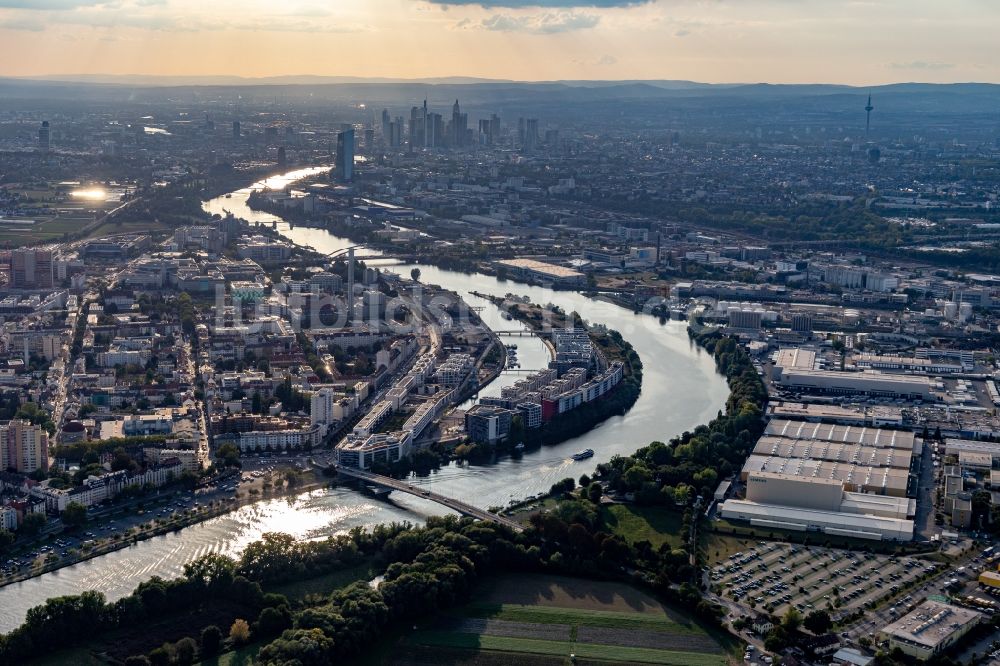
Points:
[[876, 437], [540, 271], [908, 387], [814, 504], [960, 447], [855, 478], [847, 480], [905, 363], [837, 452], [863, 459], [874, 415], [794, 358]]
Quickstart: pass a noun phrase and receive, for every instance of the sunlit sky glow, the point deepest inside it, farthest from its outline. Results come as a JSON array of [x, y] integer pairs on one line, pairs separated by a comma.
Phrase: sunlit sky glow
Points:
[[836, 41]]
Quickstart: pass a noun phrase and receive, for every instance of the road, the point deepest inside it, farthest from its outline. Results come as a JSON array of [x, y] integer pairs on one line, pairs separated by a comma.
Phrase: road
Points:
[[923, 521], [443, 500]]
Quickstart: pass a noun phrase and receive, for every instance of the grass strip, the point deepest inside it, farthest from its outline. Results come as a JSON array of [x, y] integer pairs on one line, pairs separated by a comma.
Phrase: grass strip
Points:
[[609, 653], [590, 618]]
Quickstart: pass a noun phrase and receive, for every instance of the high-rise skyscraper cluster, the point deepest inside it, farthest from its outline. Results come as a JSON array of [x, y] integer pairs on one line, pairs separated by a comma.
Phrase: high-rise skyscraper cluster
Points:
[[428, 129]]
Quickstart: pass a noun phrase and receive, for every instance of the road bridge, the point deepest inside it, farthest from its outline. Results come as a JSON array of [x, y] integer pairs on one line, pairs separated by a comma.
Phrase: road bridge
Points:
[[443, 500]]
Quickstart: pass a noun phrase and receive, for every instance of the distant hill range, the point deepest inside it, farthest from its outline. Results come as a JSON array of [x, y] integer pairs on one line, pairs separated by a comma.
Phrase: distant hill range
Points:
[[546, 98]]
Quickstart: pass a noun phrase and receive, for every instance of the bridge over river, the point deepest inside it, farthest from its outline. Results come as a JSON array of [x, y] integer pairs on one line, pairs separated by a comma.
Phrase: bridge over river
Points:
[[455, 505]]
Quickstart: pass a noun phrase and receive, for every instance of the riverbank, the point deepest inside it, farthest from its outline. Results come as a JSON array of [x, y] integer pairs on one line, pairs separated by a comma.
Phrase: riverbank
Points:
[[610, 347], [158, 526], [681, 389]]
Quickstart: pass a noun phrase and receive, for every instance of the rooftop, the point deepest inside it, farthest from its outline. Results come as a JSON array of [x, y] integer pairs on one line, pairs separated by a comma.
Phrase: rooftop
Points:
[[931, 623], [541, 267]]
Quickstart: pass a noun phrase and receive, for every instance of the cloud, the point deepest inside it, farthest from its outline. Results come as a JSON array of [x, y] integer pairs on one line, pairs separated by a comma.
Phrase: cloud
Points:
[[22, 23], [538, 24], [921, 64], [606, 60], [551, 4], [134, 14], [49, 4]]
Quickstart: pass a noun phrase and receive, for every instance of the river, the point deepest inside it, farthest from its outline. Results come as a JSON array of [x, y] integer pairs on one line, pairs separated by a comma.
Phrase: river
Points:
[[680, 390]]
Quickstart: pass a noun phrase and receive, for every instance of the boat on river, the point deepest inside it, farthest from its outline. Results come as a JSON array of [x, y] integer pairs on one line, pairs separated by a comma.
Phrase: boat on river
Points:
[[583, 455]]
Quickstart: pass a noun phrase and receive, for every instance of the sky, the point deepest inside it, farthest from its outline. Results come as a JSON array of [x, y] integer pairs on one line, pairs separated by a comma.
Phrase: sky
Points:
[[858, 42]]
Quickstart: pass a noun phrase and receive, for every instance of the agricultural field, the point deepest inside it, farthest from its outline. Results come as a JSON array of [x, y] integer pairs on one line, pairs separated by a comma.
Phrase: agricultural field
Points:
[[543, 620], [50, 229]]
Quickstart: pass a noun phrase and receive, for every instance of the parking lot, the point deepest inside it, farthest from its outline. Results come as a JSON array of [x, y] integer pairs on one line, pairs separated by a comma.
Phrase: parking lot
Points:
[[773, 577], [113, 522]]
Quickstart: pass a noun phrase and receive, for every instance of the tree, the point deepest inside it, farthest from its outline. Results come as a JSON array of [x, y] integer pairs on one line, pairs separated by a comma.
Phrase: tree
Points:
[[74, 515], [33, 523], [818, 622], [123, 461], [308, 647], [240, 631], [564, 486], [272, 621], [791, 621], [211, 640], [213, 571], [594, 492], [185, 649], [415, 274], [162, 656], [228, 454], [138, 660], [6, 539]]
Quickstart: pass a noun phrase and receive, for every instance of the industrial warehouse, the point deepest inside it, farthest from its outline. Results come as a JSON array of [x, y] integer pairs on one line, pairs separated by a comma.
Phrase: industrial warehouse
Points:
[[835, 479], [930, 628], [797, 369]]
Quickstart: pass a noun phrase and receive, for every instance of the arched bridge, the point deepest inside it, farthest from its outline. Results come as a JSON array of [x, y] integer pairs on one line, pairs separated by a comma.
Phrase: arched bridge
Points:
[[455, 505]]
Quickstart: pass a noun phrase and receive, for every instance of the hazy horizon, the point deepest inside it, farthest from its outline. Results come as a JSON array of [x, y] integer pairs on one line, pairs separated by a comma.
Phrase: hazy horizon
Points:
[[456, 79], [845, 42]]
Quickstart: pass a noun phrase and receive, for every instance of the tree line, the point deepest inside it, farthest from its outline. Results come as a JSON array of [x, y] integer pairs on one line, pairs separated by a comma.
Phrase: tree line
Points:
[[425, 569]]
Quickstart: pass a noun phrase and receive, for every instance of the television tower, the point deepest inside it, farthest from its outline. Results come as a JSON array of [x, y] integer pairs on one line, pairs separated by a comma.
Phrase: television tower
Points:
[[868, 114]]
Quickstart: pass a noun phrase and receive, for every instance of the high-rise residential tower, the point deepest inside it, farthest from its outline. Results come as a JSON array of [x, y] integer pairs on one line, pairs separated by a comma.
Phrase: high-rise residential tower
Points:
[[43, 136], [345, 156]]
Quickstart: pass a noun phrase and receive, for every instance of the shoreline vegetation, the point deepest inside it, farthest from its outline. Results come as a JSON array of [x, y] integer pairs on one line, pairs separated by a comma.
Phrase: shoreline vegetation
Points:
[[424, 570], [423, 255], [608, 342], [422, 462], [159, 525], [566, 426]]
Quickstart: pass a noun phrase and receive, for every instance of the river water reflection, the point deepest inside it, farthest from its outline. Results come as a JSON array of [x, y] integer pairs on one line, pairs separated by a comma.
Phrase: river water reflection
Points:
[[680, 390]]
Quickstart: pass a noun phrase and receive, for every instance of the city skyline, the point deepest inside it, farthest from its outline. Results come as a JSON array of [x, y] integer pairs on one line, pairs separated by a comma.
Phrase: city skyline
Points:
[[850, 42]]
